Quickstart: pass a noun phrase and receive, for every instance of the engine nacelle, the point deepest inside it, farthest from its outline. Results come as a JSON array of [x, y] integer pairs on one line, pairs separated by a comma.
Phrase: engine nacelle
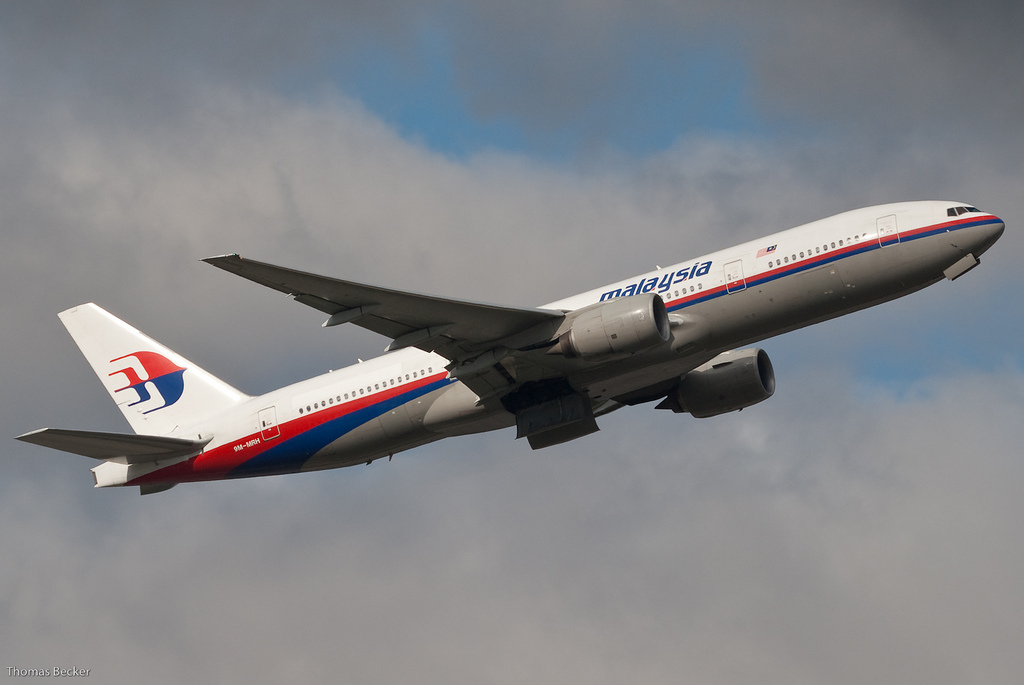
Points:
[[624, 325], [729, 382]]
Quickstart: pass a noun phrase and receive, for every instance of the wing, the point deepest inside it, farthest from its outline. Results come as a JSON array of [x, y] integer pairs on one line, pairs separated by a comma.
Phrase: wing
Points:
[[455, 329], [486, 344], [124, 448]]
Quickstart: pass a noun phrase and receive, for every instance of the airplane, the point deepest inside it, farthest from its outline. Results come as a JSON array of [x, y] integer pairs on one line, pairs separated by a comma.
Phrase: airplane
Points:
[[676, 335]]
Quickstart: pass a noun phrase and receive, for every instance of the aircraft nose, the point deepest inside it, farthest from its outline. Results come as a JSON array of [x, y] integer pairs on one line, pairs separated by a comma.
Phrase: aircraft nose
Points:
[[989, 234], [980, 235]]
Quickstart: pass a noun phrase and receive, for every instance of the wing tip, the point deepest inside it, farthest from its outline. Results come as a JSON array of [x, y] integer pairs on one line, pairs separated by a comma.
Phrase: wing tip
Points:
[[218, 259], [27, 437]]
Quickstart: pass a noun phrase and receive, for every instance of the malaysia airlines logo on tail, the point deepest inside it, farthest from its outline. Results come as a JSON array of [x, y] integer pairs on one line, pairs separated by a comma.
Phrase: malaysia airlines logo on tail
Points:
[[166, 376]]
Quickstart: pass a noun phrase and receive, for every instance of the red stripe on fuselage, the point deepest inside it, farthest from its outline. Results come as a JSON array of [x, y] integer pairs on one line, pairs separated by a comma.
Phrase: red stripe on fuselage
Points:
[[217, 463], [832, 255]]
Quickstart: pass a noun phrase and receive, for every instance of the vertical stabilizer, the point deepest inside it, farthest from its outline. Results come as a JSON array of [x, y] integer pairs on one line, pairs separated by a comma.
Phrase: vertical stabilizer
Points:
[[157, 390]]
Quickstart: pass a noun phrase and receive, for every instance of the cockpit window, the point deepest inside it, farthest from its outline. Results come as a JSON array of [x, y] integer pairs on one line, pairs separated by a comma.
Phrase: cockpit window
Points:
[[956, 211]]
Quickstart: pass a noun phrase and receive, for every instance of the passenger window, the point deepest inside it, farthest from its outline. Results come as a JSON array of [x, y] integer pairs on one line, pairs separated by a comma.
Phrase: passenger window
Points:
[[817, 250], [307, 408], [801, 255], [840, 243], [787, 260], [833, 246], [300, 410], [376, 386], [360, 391]]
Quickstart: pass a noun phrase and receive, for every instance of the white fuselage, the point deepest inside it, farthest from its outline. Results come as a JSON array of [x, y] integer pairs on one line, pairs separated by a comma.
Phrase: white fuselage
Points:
[[716, 302]]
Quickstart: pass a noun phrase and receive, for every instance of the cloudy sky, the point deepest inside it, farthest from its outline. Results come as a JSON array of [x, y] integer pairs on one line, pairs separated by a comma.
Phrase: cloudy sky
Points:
[[864, 525]]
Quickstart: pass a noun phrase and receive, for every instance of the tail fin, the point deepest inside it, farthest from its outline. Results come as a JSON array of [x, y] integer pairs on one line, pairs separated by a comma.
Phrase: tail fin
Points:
[[156, 389]]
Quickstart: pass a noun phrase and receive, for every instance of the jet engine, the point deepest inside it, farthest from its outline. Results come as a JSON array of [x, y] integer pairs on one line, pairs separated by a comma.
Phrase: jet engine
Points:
[[729, 382], [624, 325]]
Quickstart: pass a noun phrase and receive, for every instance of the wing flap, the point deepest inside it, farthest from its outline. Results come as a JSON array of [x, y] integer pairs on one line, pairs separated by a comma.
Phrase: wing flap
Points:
[[125, 448]]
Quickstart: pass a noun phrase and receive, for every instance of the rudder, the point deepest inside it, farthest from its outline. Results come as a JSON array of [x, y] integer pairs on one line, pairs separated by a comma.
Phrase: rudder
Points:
[[156, 389]]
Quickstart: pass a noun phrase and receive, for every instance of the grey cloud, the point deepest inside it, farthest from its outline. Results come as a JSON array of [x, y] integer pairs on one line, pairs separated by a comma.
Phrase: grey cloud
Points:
[[897, 68], [124, 43], [769, 545], [877, 72]]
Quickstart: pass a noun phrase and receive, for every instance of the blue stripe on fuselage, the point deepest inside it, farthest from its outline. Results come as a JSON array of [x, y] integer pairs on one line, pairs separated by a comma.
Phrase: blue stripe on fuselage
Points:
[[814, 262], [289, 456]]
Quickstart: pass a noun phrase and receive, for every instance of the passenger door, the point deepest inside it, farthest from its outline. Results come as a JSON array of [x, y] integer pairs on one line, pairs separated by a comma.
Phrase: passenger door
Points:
[[734, 280], [268, 423], [888, 230]]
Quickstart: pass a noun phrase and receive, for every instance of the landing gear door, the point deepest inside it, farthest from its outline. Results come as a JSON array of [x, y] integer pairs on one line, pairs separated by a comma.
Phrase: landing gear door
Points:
[[734, 276], [268, 423], [888, 231]]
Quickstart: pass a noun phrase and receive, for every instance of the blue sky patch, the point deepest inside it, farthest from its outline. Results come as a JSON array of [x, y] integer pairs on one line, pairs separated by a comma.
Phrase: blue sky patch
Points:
[[661, 93]]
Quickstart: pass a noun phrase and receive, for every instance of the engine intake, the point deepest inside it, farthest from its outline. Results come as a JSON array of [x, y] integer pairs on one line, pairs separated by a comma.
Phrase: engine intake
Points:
[[731, 381], [624, 325]]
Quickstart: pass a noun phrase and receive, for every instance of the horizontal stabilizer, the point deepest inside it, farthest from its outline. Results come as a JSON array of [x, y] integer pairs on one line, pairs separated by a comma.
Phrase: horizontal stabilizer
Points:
[[123, 448]]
